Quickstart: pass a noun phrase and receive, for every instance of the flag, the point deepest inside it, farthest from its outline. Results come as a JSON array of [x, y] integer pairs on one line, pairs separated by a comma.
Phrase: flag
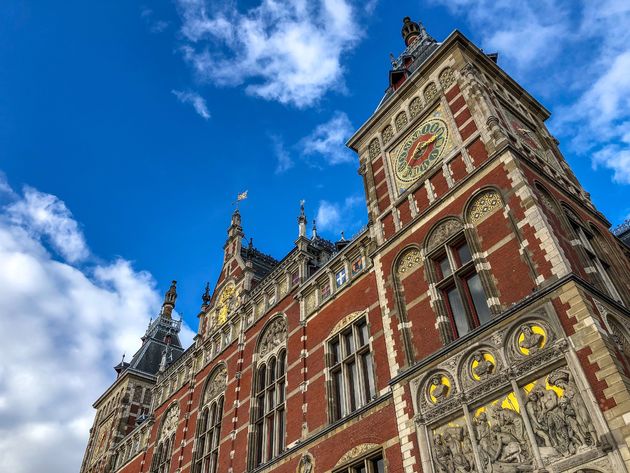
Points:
[[242, 196]]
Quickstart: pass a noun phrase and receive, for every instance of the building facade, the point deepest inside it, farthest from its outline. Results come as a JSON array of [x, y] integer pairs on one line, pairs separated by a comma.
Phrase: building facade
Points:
[[479, 323]]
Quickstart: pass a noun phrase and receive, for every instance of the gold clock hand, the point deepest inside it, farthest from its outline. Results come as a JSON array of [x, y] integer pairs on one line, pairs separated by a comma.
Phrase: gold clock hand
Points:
[[423, 145]]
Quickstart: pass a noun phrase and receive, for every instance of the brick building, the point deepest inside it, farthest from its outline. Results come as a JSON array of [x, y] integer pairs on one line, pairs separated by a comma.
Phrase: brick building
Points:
[[479, 322]]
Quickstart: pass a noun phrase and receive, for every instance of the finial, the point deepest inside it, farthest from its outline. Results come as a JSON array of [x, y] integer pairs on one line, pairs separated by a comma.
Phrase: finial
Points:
[[410, 30], [251, 243], [169, 300], [314, 229], [392, 59], [302, 220], [206, 295], [343, 236]]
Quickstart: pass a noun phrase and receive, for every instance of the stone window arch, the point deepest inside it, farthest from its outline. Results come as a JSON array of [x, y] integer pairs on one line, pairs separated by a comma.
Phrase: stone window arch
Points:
[[415, 107], [268, 412], [209, 423], [163, 452], [401, 120], [430, 92], [447, 78], [458, 290]]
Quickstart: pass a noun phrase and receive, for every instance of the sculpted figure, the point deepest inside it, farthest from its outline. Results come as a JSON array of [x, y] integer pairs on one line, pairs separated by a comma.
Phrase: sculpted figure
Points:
[[442, 455], [562, 379], [531, 340], [484, 367], [453, 438], [440, 392], [534, 412], [306, 464], [553, 416]]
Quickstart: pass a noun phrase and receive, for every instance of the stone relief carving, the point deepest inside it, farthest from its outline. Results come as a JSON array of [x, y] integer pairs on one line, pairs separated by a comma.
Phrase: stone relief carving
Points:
[[170, 421], [410, 260], [442, 232], [447, 77], [452, 448], [217, 386], [374, 148], [484, 204], [306, 464], [562, 432], [275, 335], [346, 321], [415, 107], [387, 134], [356, 452], [401, 121], [430, 92]]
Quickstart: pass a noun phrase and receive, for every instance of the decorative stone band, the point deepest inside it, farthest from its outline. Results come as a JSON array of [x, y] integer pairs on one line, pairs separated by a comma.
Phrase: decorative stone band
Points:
[[483, 205]]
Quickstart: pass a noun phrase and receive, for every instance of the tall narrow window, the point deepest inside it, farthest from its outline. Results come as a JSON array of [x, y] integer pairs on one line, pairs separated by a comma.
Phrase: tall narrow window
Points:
[[595, 258], [209, 424], [351, 370], [268, 406], [460, 285]]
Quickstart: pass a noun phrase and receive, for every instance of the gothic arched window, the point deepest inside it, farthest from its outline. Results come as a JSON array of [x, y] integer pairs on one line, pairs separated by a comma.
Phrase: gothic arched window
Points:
[[209, 424], [268, 400], [459, 286], [593, 254], [164, 450]]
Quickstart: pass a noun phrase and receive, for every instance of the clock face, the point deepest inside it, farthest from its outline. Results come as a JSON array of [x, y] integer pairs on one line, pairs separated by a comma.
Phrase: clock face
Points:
[[421, 150]]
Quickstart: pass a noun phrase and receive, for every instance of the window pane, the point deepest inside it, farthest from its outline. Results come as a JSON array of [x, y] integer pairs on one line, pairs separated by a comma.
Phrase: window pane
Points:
[[340, 398], [360, 468], [271, 401], [281, 420], [353, 386], [260, 404], [377, 465], [368, 376], [270, 437], [281, 363], [348, 342], [479, 299], [457, 309], [280, 392], [259, 443], [362, 331], [335, 351], [261, 378], [445, 267], [464, 254], [272, 371]]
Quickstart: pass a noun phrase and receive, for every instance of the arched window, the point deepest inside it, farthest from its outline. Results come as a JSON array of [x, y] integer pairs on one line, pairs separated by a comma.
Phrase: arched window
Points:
[[163, 453], [209, 424], [458, 284], [595, 257], [268, 406]]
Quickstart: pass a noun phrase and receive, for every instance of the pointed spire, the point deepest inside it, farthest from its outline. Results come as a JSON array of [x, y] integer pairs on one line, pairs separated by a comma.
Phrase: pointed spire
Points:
[[314, 234], [169, 300], [302, 220], [205, 297]]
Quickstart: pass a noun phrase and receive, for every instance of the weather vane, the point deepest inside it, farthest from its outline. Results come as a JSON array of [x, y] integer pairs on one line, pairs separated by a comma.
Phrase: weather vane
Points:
[[239, 197]]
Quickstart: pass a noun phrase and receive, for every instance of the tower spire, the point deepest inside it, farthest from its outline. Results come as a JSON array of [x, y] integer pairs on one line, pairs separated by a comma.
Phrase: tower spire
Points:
[[169, 300], [302, 221]]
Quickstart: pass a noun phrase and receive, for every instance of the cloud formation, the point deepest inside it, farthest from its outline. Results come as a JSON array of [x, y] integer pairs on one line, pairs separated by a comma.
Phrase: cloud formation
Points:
[[288, 51], [328, 140], [194, 99], [534, 39], [65, 326], [337, 217]]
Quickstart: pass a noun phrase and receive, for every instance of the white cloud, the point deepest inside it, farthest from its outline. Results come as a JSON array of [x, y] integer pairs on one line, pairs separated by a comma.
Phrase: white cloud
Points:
[[328, 140], [337, 217], [282, 155], [194, 99], [64, 328], [584, 47], [288, 51], [155, 25], [44, 215]]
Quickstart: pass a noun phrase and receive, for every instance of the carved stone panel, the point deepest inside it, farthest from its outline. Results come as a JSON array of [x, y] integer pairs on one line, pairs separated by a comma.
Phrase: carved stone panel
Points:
[[484, 204], [410, 259], [374, 148], [274, 336], [442, 233], [447, 78], [430, 92], [216, 386], [401, 121], [415, 107], [452, 449]]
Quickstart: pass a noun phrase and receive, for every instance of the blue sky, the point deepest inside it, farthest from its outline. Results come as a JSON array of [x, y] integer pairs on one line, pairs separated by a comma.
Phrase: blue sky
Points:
[[127, 129]]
